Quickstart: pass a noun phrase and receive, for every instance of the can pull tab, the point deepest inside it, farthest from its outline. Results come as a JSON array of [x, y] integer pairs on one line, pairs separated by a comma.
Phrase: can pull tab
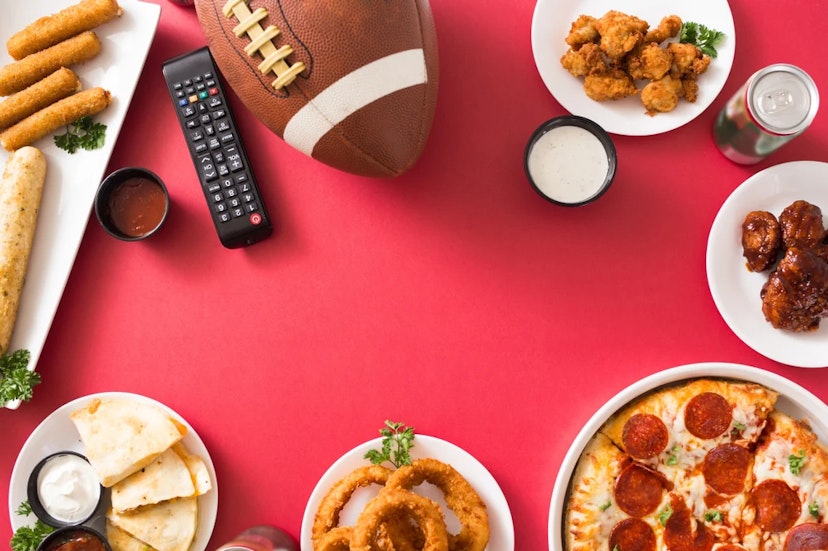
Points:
[[776, 101]]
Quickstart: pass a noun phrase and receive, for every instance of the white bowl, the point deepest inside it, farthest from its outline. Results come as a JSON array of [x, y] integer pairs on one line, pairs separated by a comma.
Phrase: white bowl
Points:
[[793, 400]]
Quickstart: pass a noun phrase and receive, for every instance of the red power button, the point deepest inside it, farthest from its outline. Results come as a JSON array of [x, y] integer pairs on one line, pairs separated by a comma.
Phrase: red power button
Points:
[[255, 218]]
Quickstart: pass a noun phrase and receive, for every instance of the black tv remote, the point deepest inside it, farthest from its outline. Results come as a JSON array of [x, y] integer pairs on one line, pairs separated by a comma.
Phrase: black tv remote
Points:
[[215, 145]]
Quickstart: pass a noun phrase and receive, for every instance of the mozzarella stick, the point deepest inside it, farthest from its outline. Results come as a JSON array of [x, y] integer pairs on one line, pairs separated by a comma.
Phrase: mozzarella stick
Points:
[[47, 120], [48, 31], [19, 75], [21, 189], [42, 93]]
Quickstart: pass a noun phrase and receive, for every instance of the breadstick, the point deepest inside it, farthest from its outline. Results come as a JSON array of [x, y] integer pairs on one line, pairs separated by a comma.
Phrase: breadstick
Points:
[[18, 75], [59, 114], [21, 189], [48, 31], [42, 93]]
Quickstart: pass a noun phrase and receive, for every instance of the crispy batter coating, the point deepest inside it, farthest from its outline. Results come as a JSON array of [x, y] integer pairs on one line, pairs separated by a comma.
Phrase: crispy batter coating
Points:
[[611, 85], [761, 240], [620, 33], [392, 502], [654, 63], [582, 31], [687, 60], [667, 28], [42, 93], [661, 96], [585, 60]]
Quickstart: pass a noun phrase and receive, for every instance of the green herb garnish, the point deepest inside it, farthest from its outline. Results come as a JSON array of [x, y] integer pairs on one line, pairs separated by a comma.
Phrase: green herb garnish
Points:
[[739, 426], [713, 515], [27, 538], [813, 509], [16, 381], [673, 459], [664, 514], [605, 506], [84, 133], [397, 441], [705, 38], [796, 462]]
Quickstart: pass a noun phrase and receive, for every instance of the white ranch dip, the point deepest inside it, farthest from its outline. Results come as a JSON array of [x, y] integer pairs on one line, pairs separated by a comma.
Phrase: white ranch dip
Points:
[[68, 488], [568, 164]]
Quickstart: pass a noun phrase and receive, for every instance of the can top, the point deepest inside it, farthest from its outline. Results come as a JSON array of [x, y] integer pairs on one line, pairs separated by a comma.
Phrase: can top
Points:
[[783, 99]]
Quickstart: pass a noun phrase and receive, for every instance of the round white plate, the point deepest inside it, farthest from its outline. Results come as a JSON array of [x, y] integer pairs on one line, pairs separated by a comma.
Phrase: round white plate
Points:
[[736, 290], [57, 433], [551, 23], [502, 531], [793, 400]]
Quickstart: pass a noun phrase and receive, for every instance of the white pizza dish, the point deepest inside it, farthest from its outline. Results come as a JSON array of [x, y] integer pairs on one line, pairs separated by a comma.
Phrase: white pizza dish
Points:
[[502, 532], [58, 433], [735, 290], [551, 23], [72, 180], [793, 399]]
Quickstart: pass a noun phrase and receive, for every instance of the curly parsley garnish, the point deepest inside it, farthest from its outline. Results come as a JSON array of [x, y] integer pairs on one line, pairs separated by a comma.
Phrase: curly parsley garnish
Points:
[[664, 514], [705, 38], [796, 462], [27, 538], [16, 380], [713, 515], [84, 133], [673, 459], [397, 441]]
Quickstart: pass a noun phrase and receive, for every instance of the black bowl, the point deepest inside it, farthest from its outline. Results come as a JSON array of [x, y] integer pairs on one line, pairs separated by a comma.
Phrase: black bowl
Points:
[[34, 497], [567, 195], [135, 215], [62, 535]]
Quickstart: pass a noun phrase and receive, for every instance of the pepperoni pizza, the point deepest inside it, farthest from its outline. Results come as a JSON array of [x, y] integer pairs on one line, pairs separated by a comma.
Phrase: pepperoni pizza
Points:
[[700, 466]]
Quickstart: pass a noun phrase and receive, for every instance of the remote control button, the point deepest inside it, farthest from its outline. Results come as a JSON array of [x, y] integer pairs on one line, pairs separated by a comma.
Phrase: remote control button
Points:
[[256, 218], [214, 102], [223, 126], [223, 170], [237, 212], [213, 91], [218, 197], [214, 143], [208, 169], [227, 182], [228, 138], [200, 147], [177, 86], [224, 217], [192, 123], [193, 98], [182, 102], [247, 197], [218, 156], [219, 113], [188, 111], [196, 135], [209, 130], [251, 207], [244, 188], [235, 202], [205, 119], [241, 178], [214, 188], [221, 207], [202, 95]]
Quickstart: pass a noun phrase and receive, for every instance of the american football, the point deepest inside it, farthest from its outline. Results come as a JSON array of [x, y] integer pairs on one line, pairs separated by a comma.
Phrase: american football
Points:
[[352, 83]]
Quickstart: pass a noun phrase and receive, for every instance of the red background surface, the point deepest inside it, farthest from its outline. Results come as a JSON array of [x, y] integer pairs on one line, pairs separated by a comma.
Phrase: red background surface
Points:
[[452, 298]]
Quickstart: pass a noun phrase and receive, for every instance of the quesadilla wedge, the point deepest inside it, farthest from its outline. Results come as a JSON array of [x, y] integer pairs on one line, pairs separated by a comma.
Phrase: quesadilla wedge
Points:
[[166, 477], [167, 526], [123, 541], [197, 467], [122, 436]]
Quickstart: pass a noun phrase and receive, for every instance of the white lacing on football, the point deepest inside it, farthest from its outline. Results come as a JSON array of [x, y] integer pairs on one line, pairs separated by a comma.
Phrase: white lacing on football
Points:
[[261, 41]]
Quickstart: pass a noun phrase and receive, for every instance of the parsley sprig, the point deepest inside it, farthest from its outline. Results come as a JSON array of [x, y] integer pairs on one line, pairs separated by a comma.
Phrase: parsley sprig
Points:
[[796, 462], [16, 380], [397, 441], [705, 38], [27, 538], [84, 133]]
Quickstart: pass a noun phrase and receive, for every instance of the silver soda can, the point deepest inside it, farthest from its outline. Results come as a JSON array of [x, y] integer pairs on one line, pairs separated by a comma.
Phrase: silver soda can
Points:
[[774, 106]]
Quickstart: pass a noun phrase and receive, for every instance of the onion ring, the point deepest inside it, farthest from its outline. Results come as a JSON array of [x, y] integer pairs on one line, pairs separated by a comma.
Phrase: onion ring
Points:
[[460, 497], [327, 516], [386, 506]]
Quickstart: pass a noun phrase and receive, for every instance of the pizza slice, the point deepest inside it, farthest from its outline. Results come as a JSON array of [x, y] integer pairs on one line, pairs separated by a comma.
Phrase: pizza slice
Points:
[[789, 494]]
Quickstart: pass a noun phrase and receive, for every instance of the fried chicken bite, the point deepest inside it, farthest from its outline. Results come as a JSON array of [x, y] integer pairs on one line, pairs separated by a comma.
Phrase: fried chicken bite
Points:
[[802, 225], [610, 85], [667, 28], [652, 63], [687, 60], [585, 60], [582, 31], [661, 96], [761, 240], [620, 33]]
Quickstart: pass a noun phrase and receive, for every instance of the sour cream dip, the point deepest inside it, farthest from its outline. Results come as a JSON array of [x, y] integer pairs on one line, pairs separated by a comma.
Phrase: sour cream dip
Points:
[[68, 488], [570, 160]]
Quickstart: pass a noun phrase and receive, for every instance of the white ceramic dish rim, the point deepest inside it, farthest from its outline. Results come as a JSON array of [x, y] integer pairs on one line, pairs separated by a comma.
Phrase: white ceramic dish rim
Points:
[[791, 396]]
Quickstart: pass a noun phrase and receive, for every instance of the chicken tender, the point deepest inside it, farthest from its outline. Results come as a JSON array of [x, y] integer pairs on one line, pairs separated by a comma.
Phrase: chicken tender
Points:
[[582, 31], [584, 61], [661, 96], [611, 85], [620, 33], [667, 28]]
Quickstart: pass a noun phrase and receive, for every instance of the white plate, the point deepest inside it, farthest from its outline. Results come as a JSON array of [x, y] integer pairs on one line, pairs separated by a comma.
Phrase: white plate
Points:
[[793, 400], [551, 23], [72, 180], [58, 433], [735, 290], [502, 536]]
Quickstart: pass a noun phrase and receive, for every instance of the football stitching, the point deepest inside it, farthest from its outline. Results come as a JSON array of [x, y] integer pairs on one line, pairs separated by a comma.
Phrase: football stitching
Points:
[[262, 42]]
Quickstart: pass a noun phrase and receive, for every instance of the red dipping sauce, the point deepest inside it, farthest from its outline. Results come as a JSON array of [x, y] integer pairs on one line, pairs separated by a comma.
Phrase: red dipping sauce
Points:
[[76, 540], [137, 206]]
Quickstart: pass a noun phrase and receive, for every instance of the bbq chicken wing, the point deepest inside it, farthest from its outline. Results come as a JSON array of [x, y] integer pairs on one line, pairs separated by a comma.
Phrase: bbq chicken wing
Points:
[[761, 240], [796, 294], [802, 225]]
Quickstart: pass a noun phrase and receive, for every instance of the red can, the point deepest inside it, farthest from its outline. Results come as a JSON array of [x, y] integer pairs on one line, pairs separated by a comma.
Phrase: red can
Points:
[[261, 538]]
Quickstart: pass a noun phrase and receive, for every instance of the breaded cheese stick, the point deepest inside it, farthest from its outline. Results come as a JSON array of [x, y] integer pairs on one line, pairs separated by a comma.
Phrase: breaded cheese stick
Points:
[[42, 93], [21, 189], [18, 75], [59, 114], [48, 31]]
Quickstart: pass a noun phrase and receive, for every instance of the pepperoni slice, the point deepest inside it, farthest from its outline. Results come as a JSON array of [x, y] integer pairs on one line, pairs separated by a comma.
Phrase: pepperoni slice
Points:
[[726, 467], [777, 505], [807, 537], [730, 547], [708, 415], [645, 436], [638, 490], [678, 530], [632, 534]]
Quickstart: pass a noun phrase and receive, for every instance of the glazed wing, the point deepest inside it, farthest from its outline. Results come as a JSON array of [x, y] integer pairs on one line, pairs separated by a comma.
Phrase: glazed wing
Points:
[[761, 240]]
